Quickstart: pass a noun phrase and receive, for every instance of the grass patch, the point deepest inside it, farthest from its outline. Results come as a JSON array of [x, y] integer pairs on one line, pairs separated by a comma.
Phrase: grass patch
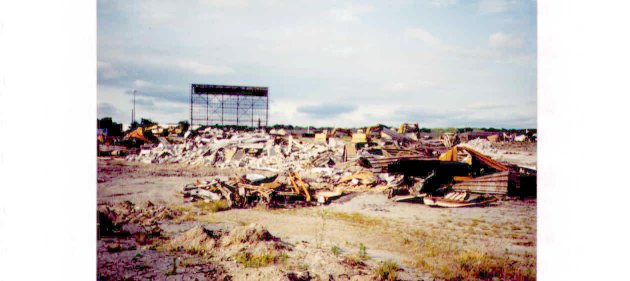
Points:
[[335, 250], [476, 222], [478, 265], [256, 261], [208, 218], [181, 208], [363, 252], [451, 255], [406, 241], [387, 271], [186, 216], [356, 218], [213, 206]]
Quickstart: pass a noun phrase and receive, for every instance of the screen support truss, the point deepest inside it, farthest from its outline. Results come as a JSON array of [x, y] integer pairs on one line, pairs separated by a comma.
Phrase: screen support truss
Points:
[[229, 105]]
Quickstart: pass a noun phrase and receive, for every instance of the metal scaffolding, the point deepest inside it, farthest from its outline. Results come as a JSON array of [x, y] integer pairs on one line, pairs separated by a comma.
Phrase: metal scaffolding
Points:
[[228, 105]]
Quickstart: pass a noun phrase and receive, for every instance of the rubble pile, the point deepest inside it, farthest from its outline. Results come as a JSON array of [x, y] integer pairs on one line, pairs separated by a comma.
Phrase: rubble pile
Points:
[[482, 145], [197, 239], [276, 191], [253, 150], [316, 171]]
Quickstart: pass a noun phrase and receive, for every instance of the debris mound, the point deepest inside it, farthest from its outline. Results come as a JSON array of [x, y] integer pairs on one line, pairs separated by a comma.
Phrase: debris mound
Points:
[[482, 145], [197, 239], [125, 218], [250, 234], [254, 150]]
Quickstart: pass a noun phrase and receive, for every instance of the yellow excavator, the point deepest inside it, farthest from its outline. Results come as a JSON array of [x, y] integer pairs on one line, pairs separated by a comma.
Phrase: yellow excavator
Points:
[[340, 130], [324, 135], [408, 128], [366, 136]]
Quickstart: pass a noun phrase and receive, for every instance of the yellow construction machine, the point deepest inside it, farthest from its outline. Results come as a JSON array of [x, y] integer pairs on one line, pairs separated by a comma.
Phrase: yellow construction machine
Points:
[[365, 136], [324, 135], [334, 132], [408, 128]]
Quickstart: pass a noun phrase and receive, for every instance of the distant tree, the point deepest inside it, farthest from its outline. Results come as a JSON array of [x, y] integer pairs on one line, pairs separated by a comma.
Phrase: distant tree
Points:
[[113, 128], [437, 131], [146, 123], [184, 125]]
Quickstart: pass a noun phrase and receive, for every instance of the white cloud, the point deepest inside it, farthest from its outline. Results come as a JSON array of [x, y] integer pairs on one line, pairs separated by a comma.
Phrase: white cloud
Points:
[[307, 53], [159, 61], [497, 41], [203, 69], [350, 13], [402, 87], [107, 71], [141, 83], [428, 38], [500, 40]]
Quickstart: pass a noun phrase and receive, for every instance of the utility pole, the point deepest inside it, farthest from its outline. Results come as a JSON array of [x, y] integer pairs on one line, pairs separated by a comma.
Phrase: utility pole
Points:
[[133, 113]]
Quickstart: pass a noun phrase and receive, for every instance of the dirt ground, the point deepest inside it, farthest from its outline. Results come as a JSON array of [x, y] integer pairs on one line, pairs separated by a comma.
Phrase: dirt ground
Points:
[[348, 239]]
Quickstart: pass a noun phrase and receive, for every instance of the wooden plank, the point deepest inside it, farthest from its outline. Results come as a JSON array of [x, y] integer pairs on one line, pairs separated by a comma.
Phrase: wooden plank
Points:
[[486, 160], [494, 183]]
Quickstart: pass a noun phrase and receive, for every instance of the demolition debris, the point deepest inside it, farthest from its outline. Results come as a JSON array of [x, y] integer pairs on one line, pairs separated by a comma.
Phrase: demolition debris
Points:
[[288, 169]]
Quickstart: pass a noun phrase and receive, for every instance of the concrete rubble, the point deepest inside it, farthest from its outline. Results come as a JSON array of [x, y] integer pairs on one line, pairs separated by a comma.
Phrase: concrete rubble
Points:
[[251, 150], [283, 169]]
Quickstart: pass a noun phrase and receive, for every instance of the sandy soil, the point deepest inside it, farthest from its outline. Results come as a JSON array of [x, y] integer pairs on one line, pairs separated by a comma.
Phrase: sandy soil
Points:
[[427, 243]]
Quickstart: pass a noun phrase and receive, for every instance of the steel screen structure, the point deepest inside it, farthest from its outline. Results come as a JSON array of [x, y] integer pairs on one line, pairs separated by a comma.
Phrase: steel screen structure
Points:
[[228, 105]]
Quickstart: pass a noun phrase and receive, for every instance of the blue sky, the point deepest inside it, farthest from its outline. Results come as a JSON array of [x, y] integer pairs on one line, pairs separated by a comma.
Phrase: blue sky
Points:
[[326, 63]]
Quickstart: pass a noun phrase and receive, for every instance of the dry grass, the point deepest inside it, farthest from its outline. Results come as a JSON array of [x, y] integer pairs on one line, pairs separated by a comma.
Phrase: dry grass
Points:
[[181, 208], [356, 218], [255, 261], [213, 206], [208, 218], [387, 271], [335, 250], [363, 252], [186, 216], [450, 254]]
